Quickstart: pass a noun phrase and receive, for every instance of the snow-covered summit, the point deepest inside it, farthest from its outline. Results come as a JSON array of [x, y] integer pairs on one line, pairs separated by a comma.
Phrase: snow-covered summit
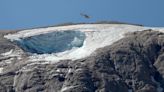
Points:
[[133, 63], [71, 42]]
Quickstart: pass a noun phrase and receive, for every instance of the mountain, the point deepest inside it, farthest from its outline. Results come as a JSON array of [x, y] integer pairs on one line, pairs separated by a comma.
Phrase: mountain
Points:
[[83, 58]]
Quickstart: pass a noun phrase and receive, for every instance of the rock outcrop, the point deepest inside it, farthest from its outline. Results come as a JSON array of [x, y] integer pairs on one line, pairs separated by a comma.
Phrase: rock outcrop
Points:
[[132, 64]]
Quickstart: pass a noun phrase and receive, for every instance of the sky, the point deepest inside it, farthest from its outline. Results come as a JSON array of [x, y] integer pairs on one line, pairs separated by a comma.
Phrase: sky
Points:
[[24, 14]]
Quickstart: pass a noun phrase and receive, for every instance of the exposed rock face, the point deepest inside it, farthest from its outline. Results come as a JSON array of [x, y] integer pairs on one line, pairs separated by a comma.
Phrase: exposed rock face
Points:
[[134, 63]]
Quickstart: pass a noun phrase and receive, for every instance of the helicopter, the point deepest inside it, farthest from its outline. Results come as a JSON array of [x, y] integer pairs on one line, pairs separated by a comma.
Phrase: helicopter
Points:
[[85, 16]]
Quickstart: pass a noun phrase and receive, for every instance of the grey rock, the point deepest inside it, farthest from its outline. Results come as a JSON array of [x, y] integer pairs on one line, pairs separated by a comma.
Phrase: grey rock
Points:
[[135, 63]]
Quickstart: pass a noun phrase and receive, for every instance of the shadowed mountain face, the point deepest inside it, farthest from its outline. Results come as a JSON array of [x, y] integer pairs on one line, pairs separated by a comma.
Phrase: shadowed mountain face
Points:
[[134, 63]]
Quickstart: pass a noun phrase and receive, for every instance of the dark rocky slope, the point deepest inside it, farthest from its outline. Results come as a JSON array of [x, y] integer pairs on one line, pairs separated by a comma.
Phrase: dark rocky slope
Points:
[[134, 63]]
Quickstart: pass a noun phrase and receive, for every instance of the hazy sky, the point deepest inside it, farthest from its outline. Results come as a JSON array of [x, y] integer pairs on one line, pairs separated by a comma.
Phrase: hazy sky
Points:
[[22, 14]]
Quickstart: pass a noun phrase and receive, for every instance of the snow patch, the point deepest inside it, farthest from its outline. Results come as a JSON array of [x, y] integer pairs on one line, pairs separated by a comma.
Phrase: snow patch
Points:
[[7, 53], [1, 70], [67, 88], [10, 56], [13, 53], [8, 61]]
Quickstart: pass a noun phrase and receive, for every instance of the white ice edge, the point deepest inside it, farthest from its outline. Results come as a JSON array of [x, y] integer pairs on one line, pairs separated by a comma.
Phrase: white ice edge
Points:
[[80, 27], [1, 70], [67, 88], [7, 53]]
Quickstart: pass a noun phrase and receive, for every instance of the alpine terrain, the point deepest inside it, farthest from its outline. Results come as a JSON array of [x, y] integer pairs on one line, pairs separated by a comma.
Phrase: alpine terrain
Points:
[[83, 58]]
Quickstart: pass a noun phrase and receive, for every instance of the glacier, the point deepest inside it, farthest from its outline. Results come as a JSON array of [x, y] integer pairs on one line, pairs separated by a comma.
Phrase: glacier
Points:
[[71, 42], [58, 58], [53, 42]]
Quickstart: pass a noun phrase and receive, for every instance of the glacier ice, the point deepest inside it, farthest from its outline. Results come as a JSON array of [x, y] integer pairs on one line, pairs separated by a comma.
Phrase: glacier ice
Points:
[[81, 41], [53, 42]]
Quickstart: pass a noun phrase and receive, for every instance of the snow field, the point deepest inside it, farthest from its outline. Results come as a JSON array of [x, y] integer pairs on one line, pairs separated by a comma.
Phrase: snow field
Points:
[[97, 36]]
